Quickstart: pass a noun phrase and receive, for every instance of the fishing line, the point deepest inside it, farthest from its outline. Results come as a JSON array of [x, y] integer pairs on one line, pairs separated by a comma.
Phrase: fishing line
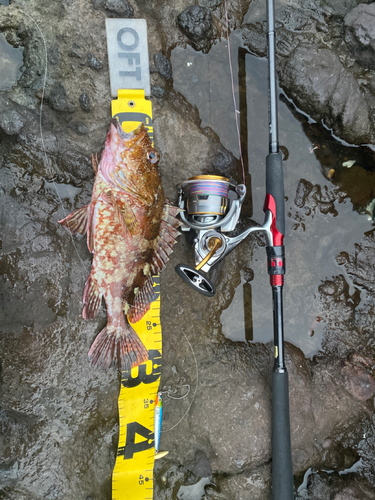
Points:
[[195, 390], [168, 393], [236, 111], [50, 172]]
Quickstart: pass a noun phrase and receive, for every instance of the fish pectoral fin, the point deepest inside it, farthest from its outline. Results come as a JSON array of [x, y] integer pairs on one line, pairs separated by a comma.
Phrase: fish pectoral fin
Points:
[[142, 301], [76, 222], [91, 298], [167, 237], [124, 215], [130, 219]]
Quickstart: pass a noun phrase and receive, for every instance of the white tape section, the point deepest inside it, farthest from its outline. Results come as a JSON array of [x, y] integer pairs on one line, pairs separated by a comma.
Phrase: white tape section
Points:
[[128, 55]]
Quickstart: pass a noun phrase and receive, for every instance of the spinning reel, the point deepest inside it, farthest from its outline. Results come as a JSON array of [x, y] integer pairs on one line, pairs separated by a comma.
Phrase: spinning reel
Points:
[[211, 207]]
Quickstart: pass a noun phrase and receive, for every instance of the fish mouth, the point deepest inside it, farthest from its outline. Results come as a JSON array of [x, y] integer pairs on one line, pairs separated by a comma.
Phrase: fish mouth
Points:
[[124, 135]]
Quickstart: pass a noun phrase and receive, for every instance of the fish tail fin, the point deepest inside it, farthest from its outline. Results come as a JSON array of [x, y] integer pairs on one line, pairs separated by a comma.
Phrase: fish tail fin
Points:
[[117, 346]]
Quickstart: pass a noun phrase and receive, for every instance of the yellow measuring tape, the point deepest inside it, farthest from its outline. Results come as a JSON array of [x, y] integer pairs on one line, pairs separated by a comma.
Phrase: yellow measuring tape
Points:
[[133, 473]]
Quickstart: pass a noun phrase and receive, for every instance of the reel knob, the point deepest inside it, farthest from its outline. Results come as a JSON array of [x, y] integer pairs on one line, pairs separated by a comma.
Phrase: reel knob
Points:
[[196, 280]]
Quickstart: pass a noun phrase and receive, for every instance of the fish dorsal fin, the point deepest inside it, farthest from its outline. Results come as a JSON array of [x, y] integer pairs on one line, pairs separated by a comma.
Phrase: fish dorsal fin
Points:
[[76, 222], [142, 301], [124, 215], [167, 237]]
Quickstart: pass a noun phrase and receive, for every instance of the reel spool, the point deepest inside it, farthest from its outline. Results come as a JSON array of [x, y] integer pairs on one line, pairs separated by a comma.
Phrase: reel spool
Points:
[[211, 207]]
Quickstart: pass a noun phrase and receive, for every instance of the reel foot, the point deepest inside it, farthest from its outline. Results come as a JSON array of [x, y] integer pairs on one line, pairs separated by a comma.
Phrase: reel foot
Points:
[[196, 280]]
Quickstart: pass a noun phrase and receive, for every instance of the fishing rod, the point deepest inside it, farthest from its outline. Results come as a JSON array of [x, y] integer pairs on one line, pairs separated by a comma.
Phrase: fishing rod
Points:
[[211, 208], [282, 470]]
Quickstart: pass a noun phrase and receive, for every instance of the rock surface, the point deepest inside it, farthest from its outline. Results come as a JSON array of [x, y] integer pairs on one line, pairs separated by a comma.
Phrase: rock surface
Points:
[[59, 420]]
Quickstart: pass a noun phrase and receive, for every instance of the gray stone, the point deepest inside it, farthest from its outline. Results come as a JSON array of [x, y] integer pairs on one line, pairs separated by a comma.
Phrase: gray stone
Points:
[[157, 91], [84, 102], [120, 8], [94, 62], [196, 23], [163, 66], [78, 127], [58, 99]]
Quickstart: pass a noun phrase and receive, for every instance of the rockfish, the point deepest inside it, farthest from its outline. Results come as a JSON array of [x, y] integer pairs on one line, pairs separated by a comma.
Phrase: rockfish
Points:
[[131, 229]]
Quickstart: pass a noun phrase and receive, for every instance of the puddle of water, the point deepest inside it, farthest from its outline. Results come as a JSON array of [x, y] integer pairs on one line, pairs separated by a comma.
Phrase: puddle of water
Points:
[[11, 60], [66, 191], [313, 238], [194, 491]]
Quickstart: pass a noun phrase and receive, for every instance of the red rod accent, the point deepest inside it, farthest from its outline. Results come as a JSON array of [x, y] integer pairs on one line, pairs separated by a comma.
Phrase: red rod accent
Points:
[[277, 279], [270, 204]]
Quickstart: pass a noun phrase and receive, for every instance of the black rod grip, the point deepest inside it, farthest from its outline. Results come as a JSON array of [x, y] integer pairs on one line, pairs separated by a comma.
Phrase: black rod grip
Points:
[[275, 187], [282, 470]]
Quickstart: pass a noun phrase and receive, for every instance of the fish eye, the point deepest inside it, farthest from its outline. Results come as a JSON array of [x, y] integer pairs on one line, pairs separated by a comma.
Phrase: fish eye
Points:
[[153, 156]]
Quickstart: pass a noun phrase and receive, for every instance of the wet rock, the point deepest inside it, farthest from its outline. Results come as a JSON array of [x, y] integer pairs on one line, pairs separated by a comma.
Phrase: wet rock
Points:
[[313, 200], [249, 484], [196, 23], [94, 62], [360, 265], [84, 102], [341, 7], [321, 486], [325, 89], [163, 66], [360, 22], [11, 119], [200, 466], [255, 38], [58, 99]]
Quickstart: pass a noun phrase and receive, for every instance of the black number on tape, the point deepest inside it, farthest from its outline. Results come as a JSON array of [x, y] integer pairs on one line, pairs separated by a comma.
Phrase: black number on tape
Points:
[[131, 446], [143, 377]]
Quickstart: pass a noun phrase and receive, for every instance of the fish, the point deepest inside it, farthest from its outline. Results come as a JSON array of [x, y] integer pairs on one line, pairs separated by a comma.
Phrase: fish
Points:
[[131, 229]]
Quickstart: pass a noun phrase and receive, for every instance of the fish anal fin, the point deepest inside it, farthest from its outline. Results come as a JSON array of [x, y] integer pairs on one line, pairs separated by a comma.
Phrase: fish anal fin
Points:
[[142, 301], [76, 222], [91, 299]]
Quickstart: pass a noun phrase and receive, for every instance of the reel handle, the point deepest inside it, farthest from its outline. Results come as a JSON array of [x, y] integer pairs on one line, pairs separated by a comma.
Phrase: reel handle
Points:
[[196, 280]]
